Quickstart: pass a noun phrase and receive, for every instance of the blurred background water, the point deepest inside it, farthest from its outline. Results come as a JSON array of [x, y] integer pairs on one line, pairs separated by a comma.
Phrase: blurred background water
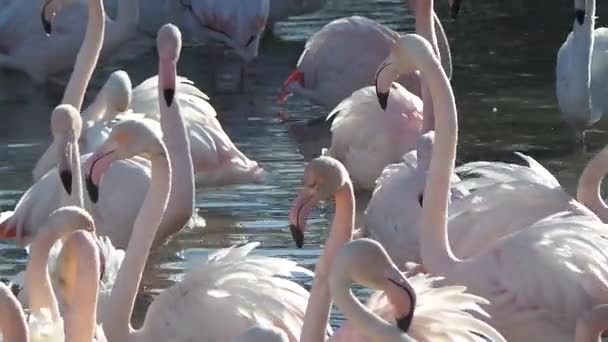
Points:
[[504, 65]]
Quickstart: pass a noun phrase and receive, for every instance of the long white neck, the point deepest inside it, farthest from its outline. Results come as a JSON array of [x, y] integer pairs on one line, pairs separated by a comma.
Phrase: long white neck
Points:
[[435, 250], [579, 66], [588, 191], [12, 320], [37, 276], [443, 46], [87, 56], [77, 195], [375, 328], [81, 317], [124, 26], [117, 315], [319, 302], [425, 28], [181, 204], [590, 327]]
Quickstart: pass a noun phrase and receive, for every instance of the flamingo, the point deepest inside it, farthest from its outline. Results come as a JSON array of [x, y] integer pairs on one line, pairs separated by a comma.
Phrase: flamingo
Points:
[[79, 288], [535, 290], [582, 70], [231, 286], [326, 74], [80, 274], [66, 125], [385, 141], [40, 53], [590, 327], [423, 312], [326, 177]]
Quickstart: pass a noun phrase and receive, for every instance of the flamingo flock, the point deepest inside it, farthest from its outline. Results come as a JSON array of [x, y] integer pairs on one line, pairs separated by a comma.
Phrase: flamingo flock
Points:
[[483, 251]]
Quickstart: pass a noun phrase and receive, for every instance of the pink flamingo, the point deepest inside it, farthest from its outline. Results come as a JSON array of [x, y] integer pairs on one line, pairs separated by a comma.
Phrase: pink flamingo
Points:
[[534, 289]]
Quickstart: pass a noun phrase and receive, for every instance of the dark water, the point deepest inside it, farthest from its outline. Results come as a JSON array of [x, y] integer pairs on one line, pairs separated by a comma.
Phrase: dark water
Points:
[[504, 59]]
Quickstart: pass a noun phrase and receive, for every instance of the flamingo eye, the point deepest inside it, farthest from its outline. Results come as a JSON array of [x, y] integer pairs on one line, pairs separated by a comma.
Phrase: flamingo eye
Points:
[[251, 39]]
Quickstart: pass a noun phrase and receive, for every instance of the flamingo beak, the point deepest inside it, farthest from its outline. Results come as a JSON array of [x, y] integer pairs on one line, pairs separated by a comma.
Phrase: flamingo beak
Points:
[[46, 24], [65, 167], [96, 166], [169, 95], [580, 16], [403, 306], [301, 208], [384, 80]]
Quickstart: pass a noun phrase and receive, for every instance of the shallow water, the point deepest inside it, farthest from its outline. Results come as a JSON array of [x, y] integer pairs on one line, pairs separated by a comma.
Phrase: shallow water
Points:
[[504, 60]]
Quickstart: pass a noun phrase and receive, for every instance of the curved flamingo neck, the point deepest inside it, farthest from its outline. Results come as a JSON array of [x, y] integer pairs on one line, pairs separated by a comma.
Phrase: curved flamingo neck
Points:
[[588, 191], [579, 66], [319, 302], [435, 249], [181, 206], [12, 320], [375, 328], [117, 316], [37, 276], [87, 56], [590, 327], [81, 317]]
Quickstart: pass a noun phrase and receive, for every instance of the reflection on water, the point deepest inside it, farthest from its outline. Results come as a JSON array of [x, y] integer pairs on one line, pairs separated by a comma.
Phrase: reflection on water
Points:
[[504, 58]]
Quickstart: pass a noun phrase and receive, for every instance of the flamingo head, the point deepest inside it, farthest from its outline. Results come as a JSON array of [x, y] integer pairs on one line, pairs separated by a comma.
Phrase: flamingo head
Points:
[[128, 138], [66, 126], [49, 9], [69, 219], [366, 262], [118, 93], [169, 45], [409, 48], [323, 178]]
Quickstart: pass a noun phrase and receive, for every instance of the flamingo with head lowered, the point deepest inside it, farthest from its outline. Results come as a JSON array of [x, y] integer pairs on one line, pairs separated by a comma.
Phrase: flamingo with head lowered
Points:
[[535, 290]]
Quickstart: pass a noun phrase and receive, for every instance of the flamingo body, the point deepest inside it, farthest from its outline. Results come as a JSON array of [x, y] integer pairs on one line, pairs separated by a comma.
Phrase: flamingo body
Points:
[[366, 140]]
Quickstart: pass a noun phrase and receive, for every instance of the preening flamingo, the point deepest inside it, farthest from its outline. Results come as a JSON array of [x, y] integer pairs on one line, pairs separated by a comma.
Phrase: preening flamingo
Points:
[[230, 287], [420, 310], [536, 291], [326, 72], [40, 54], [582, 70]]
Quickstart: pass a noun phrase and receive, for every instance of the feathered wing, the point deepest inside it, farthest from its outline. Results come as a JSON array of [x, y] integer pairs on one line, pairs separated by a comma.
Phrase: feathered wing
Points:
[[234, 286], [442, 314], [366, 138], [480, 174], [327, 62], [543, 277]]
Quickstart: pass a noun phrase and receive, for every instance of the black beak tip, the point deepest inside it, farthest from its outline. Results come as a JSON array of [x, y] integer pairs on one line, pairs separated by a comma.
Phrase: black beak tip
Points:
[[297, 235], [580, 16], [405, 322], [48, 28], [455, 9], [66, 180], [382, 99], [93, 190], [169, 95]]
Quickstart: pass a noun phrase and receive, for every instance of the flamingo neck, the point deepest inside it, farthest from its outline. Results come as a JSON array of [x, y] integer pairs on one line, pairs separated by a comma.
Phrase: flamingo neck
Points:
[[319, 302], [588, 191], [435, 249], [175, 136], [374, 327], [81, 317], [118, 311], [77, 195], [579, 66], [424, 27], [590, 327], [37, 276], [87, 55], [12, 320]]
